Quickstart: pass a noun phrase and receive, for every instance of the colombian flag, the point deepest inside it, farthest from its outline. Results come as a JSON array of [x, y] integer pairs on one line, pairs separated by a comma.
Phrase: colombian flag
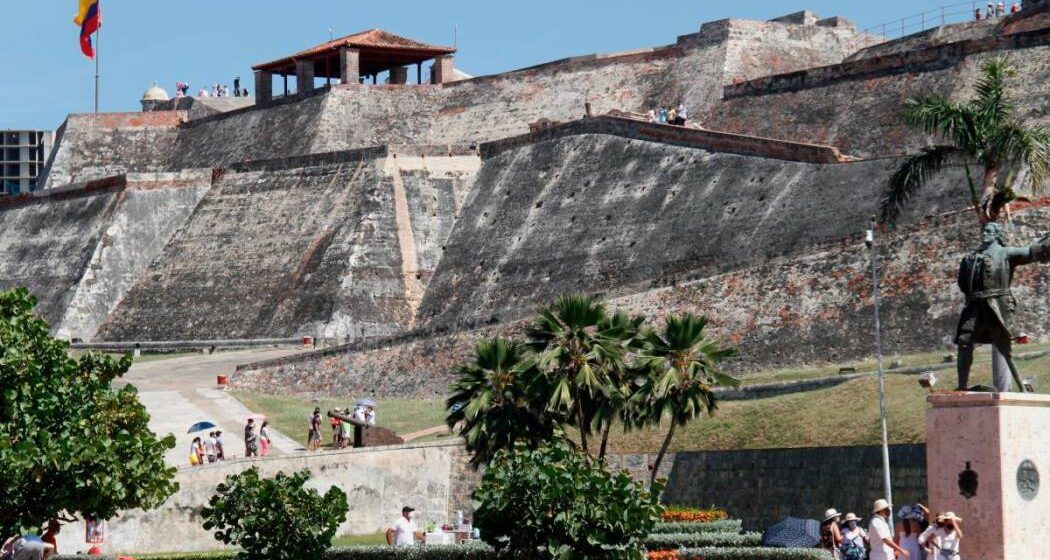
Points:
[[89, 19]]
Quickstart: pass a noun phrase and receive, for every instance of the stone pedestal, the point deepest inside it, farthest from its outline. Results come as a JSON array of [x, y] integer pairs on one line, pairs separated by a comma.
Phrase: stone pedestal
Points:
[[304, 76], [988, 460], [349, 66], [263, 87]]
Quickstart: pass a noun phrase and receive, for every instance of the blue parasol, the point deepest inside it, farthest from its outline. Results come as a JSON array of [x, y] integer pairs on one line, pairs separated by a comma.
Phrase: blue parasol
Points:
[[793, 533], [201, 426]]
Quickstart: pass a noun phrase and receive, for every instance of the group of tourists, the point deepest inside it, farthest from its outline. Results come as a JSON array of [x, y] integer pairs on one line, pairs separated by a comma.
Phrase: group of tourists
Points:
[[217, 90], [30, 546], [918, 536], [364, 412], [996, 11], [676, 116], [256, 444], [207, 450]]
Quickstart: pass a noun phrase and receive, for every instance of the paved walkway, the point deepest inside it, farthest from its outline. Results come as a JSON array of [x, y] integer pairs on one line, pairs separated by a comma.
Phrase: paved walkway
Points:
[[179, 392]]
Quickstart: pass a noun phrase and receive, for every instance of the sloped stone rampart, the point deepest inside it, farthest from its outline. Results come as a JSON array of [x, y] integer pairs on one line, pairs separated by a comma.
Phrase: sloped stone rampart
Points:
[[809, 309], [303, 245], [856, 106], [93, 146], [149, 211], [604, 214]]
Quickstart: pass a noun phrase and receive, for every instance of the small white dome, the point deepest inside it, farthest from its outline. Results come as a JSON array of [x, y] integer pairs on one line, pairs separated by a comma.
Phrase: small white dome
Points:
[[155, 93]]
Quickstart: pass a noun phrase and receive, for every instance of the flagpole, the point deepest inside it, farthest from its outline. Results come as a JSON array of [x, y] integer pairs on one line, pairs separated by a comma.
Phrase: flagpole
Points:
[[98, 52]]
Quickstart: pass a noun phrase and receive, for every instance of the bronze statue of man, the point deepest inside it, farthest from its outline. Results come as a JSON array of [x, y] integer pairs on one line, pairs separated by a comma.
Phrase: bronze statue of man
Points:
[[984, 277]]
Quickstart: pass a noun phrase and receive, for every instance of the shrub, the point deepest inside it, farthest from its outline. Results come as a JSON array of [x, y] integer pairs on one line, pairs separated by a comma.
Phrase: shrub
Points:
[[714, 553], [663, 541], [693, 515], [564, 502], [465, 552], [274, 518], [721, 526]]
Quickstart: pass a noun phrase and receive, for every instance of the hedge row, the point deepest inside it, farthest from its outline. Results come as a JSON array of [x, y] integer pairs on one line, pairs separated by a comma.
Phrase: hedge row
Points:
[[716, 553], [722, 526], [433, 552], [664, 541]]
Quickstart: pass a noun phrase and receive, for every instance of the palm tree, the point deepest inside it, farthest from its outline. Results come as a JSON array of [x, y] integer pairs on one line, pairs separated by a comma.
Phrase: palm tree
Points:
[[491, 403], [682, 372], [575, 360], [988, 130], [629, 334]]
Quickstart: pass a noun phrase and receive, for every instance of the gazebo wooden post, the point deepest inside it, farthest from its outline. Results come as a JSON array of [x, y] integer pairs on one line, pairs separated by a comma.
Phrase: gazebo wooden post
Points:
[[285, 76], [419, 73]]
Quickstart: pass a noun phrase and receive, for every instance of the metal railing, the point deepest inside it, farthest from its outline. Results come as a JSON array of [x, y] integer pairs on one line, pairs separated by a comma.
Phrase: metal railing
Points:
[[958, 12]]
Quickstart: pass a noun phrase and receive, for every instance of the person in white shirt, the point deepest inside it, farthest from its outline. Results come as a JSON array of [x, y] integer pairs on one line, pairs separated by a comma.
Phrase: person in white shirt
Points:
[[365, 414], [403, 532], [882, 545], [942, 538]]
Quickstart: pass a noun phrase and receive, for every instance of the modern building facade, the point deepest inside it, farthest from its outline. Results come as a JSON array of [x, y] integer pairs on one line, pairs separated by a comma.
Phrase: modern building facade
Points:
[[23, 155]]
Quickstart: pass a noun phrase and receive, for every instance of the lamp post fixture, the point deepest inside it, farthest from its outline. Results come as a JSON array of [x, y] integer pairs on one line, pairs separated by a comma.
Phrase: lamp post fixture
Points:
[[869, 240]]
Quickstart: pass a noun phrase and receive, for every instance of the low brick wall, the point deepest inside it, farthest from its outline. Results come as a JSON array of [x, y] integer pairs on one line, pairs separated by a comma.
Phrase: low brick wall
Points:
[[762, 487]]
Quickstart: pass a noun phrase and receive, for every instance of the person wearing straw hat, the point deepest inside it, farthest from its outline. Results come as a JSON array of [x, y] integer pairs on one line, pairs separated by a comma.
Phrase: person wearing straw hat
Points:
[[830, 536], [882, 545], [942, 538], [854, 539]]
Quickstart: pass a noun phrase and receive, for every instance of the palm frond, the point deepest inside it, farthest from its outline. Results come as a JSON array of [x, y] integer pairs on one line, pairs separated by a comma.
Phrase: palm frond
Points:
[[991, 104], [913, 174], [938, 116], [1024, 146]]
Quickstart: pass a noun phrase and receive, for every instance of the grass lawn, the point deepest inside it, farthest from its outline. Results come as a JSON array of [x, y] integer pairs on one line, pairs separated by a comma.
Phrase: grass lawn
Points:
[[844, 415], [290, 414], [360, 540]]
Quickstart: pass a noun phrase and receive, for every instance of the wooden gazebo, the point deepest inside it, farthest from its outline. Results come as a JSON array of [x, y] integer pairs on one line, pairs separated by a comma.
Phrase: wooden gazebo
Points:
[[354, 58]]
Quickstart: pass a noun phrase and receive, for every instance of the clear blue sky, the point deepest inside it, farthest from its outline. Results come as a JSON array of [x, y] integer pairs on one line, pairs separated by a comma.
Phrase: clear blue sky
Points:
[[207, 41]]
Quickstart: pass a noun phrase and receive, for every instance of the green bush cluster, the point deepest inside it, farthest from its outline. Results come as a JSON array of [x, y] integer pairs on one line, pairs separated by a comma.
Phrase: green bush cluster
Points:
[[667, 541], [483, 552], [720, 526], [753, 553]]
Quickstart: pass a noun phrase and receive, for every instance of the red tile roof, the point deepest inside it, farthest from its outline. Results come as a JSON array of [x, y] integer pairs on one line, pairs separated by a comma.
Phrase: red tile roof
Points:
[[371, 40]]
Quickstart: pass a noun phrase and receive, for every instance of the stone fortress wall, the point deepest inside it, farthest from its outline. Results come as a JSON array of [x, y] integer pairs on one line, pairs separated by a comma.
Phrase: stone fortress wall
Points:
[[306, 228]]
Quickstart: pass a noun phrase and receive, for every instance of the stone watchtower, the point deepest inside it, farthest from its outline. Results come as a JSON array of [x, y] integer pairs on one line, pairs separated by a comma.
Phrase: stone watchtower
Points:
[[153, 98]]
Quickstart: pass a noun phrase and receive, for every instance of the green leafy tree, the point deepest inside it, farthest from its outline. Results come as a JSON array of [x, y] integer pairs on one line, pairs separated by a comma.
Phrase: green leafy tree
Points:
[[556, 502], [577, 360], [70, 443], [274, 518], [682, 372], [987, 129], [491, 402]]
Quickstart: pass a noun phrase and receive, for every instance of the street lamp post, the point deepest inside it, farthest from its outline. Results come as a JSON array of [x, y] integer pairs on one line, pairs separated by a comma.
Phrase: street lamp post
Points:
[[870, 241]]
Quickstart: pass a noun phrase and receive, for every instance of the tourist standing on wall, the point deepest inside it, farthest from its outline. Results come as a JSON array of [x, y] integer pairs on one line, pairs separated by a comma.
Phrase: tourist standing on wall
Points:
[[882, 545], [1000, 9], [1015, 8], [313, 434], [251, 439], [941, 539], [195, 458], [854, 539], [830, 536], [682, 114], [264, 437]]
